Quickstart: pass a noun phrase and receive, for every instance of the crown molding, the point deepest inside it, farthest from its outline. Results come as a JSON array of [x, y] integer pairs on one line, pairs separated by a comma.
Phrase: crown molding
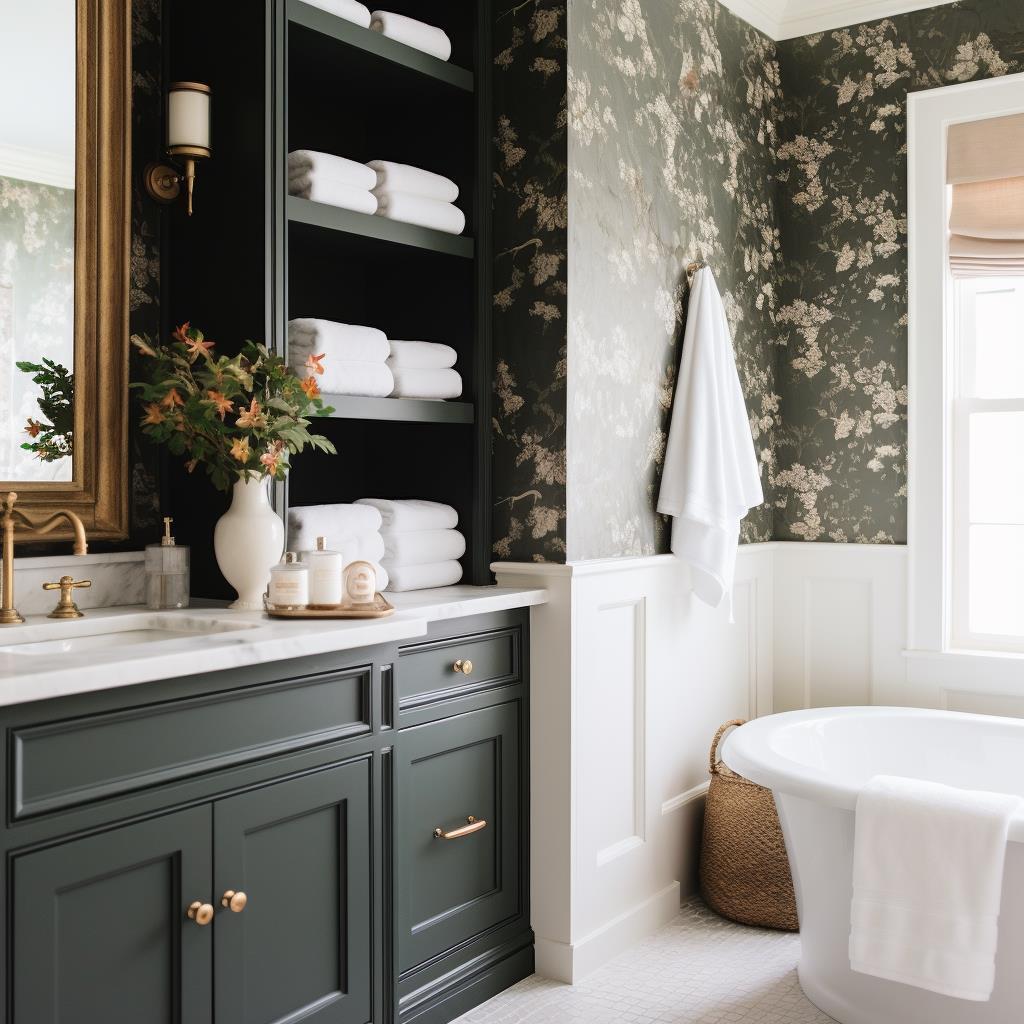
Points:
[[790, 19], [36, 166]]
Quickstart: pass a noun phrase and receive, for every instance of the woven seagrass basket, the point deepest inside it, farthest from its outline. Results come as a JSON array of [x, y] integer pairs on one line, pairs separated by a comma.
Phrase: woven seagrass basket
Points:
[[744, 870]]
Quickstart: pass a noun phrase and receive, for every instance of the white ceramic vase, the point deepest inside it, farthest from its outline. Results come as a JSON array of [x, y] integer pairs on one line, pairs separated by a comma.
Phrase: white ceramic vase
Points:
[[248, 539]]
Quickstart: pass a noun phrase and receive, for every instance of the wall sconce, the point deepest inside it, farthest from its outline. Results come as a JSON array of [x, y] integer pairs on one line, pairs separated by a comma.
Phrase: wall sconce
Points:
[[188, 137]]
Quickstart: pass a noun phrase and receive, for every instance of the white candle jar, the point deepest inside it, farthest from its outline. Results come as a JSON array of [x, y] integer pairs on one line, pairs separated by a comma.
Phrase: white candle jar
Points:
[[325, 575], [289, 583]]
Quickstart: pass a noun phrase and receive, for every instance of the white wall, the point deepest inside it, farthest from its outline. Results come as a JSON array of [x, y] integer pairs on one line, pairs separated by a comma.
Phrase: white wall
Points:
[[630, 678]]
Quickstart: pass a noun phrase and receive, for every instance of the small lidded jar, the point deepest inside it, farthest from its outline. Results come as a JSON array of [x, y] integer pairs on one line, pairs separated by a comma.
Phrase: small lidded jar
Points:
[[325, 575], [289, 583]]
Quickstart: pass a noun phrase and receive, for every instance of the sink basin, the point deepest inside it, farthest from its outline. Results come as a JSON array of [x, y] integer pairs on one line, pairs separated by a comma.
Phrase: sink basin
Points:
[[123, 631]]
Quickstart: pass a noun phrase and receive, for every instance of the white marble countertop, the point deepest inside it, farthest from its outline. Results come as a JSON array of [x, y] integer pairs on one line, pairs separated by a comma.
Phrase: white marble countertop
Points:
[[98, 653]]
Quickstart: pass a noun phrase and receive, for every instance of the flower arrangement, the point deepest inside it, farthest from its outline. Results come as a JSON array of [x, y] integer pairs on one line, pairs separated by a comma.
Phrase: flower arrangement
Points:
[[53, 436], [239, 417]]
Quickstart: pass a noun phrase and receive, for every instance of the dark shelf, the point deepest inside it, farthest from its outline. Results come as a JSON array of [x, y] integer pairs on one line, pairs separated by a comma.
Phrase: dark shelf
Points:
[[378, 45], [398, 410], [334, 218]]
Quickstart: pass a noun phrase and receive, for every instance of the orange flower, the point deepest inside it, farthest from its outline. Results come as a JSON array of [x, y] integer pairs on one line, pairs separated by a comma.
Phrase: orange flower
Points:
[[33, 428], [171, 399], [315, 363], [154, 416], [270, 460], [223, 405], [310, 386], [240, 449], [181, 333], [252, 418], [193, 340]]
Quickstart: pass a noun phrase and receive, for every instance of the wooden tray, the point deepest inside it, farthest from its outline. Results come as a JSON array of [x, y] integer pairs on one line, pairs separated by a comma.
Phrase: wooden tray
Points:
[[380, 609]]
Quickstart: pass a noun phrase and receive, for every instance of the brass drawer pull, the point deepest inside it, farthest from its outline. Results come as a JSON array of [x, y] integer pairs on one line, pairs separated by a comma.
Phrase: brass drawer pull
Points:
[[463, 665], [201, 913], [471, 826], [234, 901]]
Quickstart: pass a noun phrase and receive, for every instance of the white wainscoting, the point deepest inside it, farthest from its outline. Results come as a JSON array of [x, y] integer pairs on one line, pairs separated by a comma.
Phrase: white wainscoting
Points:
[[630, 678]]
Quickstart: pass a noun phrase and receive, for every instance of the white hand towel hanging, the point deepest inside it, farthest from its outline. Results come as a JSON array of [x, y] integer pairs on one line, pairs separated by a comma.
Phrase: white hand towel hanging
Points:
[[711, 476]]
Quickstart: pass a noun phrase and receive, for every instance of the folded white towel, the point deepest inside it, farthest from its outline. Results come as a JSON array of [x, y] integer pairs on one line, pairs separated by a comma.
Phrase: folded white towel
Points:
[[333, 193], [417, 34], [414, 181], [420, 547], [423, 577], [350, 10], [426, 213], [425, 383], [309, 163], [335, 522], [927, 885], [311, 336], [348, 377], [412, 514], [711, 475], [422, 355]]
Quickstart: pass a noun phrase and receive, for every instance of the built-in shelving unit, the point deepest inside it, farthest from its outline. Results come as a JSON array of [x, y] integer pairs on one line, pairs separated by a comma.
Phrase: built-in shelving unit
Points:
[[286, 75], [362, 225]]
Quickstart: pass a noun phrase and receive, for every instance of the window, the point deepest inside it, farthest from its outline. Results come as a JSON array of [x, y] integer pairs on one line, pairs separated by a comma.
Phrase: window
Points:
[[987, 471]]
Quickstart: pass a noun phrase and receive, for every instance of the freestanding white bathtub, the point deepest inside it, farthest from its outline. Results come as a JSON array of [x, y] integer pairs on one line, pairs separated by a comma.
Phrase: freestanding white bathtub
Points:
[[816, 762]]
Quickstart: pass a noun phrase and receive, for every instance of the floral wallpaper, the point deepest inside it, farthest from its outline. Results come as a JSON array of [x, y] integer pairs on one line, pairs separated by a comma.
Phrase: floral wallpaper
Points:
[[672, 158], [530, 232], [842, 316]]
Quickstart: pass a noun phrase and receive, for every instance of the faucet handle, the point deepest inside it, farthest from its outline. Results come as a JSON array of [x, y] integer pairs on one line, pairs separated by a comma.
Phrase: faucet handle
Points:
[[66, 607]]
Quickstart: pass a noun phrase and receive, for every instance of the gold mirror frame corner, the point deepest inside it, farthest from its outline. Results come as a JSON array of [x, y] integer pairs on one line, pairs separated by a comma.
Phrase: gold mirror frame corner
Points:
[[98, 490]]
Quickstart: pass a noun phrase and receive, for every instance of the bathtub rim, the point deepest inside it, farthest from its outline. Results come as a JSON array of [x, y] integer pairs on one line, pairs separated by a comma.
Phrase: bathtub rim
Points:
[[747, 750]]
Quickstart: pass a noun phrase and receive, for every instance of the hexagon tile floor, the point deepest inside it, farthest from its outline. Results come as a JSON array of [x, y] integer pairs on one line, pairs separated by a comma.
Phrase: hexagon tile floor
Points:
[[698, 969]]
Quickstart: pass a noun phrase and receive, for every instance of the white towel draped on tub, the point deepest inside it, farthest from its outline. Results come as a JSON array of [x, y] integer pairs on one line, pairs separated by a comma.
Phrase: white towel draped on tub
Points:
[[927, 885], [417, 34], [711, 474]]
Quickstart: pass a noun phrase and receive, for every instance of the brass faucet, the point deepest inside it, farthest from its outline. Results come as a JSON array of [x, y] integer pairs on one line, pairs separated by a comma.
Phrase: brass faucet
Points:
[[13, 517]]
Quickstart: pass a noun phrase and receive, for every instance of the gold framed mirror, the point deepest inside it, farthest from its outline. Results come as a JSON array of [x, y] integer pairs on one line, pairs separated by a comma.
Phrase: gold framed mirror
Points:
[[80, 431]]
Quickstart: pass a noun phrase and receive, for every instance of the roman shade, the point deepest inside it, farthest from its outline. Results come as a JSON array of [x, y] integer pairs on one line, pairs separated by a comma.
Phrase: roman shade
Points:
[[986, 172]]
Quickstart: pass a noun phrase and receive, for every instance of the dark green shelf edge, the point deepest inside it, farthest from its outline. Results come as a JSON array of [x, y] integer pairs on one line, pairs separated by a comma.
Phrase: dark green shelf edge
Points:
[[398, 410], [351, 34], [365, 225]]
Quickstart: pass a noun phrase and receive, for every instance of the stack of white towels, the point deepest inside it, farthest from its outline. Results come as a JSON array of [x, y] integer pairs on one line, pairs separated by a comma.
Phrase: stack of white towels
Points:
[[354, 530], [355, 359], [417, 34], [421, 543], [415, 196], [335, 180], [424, 369]]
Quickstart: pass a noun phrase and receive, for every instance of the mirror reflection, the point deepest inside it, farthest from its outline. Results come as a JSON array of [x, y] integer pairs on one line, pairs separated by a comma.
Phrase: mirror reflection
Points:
[[37, 239]]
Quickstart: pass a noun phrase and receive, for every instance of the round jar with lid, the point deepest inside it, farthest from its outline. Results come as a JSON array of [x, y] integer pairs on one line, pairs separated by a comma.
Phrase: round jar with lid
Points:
[[289, 583], [325, 575]]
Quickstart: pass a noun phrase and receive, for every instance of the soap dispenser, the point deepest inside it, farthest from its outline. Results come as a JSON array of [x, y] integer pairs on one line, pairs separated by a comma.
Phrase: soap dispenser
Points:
[[167, 573]]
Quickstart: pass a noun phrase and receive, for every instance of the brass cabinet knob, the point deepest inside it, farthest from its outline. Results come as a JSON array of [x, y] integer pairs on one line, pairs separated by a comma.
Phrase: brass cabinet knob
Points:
[[201, 913], [472, 825], [463, 665], [234, 901]]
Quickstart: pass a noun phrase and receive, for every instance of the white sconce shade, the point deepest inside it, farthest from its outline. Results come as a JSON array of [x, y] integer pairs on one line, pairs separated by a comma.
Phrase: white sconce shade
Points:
[[188, 119]]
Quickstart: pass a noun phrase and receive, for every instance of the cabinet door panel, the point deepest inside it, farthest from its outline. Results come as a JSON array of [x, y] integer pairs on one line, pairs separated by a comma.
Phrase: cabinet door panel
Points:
[[302, 947], [100, 932], [451, 890]]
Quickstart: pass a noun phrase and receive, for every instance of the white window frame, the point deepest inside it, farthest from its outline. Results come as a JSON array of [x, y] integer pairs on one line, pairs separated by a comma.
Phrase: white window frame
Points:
[[931, 495], [963, 405]]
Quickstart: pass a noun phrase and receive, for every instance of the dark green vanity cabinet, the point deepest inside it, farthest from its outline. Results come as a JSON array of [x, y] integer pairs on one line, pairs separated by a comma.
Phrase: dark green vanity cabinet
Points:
[[313, 787]]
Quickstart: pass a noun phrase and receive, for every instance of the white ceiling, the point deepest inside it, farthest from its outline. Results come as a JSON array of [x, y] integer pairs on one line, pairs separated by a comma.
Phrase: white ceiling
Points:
[[787, 19], [37, 86]]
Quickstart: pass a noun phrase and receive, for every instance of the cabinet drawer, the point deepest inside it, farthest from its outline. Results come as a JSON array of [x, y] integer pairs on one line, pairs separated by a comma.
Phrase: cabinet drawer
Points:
[[63, 764], [454, 889], [427, 672]]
